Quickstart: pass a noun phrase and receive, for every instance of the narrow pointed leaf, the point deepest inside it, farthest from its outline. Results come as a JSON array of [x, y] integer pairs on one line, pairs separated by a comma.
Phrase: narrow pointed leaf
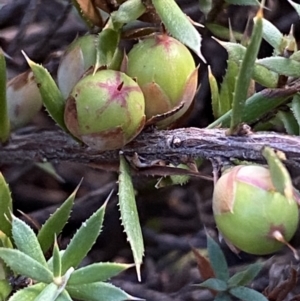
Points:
[[295, 107], [49, 293], [98, 291], [128, 11], [52, 97], [56, 222], [205, 6], [178, 25], [85, 237], [56, 260], [272, 35], [23, 264], [97, 272], [5, 207], [214, 90], [281, 178], [214, 284], [223, 32], [26, 241], [296, 6], [256, 106], [247, 294], [129, 214], [217, 259], [4, 120], [245, 74], [281, 65], [290, 123], [108, 41], [245, 277], [29, 293]]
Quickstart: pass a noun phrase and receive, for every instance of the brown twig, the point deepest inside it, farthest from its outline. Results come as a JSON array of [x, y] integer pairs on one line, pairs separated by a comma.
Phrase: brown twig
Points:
[[175, 146]]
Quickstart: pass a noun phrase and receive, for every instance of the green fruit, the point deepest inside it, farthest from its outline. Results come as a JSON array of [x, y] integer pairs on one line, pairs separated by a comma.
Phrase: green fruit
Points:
[[165, 70], [250, 213], [105, 110], [24, 100]]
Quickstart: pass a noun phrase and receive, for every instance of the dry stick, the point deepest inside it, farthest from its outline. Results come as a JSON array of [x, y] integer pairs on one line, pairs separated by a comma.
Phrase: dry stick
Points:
[[179, 145]]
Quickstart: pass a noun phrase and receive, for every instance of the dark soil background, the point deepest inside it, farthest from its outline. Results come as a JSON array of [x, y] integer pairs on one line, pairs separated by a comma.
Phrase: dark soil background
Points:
[[173, 218]]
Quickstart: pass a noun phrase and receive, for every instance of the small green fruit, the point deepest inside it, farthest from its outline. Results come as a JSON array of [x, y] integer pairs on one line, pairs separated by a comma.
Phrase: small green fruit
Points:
[[105, 110], [250, 213], [165, 70], [24, 100], [77, 59]]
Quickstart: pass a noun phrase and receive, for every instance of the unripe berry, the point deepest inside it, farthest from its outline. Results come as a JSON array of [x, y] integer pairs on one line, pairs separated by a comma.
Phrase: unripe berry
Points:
[[250, 213], [165, 70], [105, 110]]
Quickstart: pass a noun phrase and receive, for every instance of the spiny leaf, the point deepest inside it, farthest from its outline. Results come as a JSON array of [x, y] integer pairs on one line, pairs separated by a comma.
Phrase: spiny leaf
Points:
[[128, 11], [244, 277], [281, 65], [29, 293], [281, 178], [101, 271], [23, 264], [272, 35], [5, 207], [247, 294], [256, 106], [217, 259], [214, 284], [49, 293], [56, 222], [98, 291], [26, 241], [52, 97], [245, 74], [223, 32], [4, 120], [85, 237], [178, 25], [129, 214]]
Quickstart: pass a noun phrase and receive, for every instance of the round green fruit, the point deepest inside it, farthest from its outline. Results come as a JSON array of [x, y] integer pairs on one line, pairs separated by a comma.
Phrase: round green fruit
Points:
[[250, 213], [105, 110], [165, 70]]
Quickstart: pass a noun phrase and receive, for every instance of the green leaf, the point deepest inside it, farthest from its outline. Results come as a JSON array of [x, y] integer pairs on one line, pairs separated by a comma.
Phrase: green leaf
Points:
[[243, 2], [296, 6], [281, 178], [261, 74], [290, 123], [5, 289], [245, 74], [178, 25], [29, 293], [214, 90], [26, 241], [281, 65], [98, 291], [214, 284], [85, 237], [5, 207], [272, 35], [295, 107], [205, 6], [129, 215], [56, 260], [4, 120], [247, 294], [108, 41], [223, 32], [51, 95], [256, 106], [128, 11], [56, 222], [246, 276], [24, 265], [96, 272], [217, 259], [49, 293], [223, 296]]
